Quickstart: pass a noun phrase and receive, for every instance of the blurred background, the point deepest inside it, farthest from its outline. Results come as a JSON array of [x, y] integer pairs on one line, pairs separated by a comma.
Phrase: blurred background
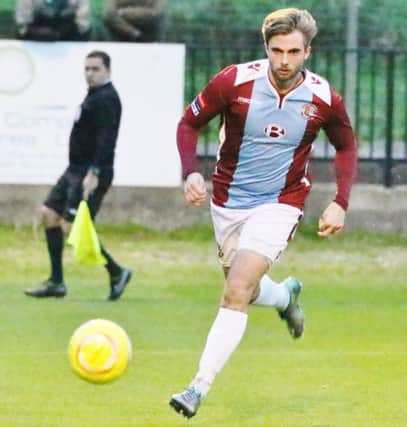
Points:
[[381, 24], [360, 49]]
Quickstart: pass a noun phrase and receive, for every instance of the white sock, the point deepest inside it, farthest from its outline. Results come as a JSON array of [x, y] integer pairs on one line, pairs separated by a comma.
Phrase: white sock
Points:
[[272, 294], [224, 336]]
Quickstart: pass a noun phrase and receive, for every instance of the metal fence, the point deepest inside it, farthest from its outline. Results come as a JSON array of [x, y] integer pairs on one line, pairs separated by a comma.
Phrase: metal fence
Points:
[[379, 99]]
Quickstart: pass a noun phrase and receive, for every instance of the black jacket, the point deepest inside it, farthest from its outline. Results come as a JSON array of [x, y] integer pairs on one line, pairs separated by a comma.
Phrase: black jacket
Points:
[[94, 134]]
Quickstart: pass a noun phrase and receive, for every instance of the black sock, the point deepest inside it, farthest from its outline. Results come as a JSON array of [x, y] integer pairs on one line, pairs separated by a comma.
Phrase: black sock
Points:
[[55, 242], [111, 266]]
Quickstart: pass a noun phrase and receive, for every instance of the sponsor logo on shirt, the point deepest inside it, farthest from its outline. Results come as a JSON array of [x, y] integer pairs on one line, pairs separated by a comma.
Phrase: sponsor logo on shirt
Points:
[[315, 80], [197, 104], [274, 131], [196, 109], [256, 66]]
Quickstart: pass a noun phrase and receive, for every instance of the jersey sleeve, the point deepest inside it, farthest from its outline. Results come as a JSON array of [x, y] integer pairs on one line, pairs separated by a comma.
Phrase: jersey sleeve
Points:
[[341, 136], [107, 112], [213, 99]]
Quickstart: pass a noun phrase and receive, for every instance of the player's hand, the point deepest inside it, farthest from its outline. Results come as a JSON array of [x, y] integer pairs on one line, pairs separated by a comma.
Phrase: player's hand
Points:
[[195, 189], [332, 220], [89, 184]]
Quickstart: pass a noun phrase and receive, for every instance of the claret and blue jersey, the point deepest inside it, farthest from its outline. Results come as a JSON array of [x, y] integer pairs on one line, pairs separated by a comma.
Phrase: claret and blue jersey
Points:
[[266, 138]]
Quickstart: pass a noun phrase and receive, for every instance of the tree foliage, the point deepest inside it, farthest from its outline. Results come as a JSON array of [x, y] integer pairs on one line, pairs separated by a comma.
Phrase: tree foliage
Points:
[[225, 20]]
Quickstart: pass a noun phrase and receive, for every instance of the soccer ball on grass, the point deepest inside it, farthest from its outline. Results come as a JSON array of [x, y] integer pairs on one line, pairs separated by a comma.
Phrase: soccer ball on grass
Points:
[[99, 351]]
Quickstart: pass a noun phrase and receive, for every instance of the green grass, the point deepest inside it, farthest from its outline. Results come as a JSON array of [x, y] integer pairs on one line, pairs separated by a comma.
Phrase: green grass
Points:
[[349, 370]]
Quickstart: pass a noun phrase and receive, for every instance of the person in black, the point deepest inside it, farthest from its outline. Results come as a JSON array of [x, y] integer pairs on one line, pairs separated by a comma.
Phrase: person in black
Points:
[[88, 176]]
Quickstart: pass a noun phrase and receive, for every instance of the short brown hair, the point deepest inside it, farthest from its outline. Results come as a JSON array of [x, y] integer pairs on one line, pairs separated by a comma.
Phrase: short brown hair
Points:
[[102, 55], [285, 21]]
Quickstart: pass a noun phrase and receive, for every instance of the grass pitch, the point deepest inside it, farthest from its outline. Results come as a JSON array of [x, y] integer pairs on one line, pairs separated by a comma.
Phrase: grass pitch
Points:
[[349, 370]]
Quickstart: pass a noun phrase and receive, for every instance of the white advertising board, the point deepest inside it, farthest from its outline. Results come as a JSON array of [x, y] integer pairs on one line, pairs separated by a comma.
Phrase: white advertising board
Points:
[[42, 85]]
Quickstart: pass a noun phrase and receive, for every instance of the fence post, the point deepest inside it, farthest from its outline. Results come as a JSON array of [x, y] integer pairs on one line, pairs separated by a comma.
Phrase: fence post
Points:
[[388, 160], [352, 58]]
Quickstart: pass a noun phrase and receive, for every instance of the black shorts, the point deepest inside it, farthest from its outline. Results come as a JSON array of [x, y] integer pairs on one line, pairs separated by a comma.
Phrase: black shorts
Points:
[[67, 193]]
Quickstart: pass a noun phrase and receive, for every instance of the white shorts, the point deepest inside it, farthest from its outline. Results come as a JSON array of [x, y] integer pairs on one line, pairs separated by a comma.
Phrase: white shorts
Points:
[[265, 229]]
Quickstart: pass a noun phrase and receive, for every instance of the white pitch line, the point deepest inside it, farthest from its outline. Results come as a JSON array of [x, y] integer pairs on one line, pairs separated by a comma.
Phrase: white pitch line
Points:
[[250, 352]]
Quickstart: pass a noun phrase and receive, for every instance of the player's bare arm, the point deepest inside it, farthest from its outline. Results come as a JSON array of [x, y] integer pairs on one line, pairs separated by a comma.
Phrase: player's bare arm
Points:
[[195, 189], [89, 184], [332, 220]]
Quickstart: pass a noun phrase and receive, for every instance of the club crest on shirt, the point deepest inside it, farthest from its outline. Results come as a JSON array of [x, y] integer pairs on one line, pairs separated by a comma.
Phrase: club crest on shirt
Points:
[[309, 111], [274, 131]]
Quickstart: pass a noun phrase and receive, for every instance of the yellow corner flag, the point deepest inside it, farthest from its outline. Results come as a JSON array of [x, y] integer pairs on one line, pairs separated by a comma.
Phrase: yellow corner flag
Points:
[[84, 239]]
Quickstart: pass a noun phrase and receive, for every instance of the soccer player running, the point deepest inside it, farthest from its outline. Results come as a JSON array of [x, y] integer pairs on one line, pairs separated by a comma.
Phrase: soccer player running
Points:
[[271, 112], [89, 175]]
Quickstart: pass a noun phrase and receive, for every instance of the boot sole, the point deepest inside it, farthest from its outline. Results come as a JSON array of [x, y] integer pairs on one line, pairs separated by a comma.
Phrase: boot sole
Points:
[[181, 409]]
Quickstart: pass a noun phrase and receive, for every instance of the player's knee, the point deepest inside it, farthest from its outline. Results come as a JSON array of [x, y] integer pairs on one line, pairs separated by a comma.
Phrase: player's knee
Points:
[[237, 294], [49, 217], [226, 271], [66, 226]]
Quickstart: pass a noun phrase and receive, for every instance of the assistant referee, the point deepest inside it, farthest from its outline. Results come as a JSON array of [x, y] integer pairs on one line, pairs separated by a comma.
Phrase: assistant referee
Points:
[[89, 175]]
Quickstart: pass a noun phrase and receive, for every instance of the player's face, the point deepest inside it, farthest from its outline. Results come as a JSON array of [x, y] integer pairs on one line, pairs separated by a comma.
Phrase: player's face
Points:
[[287, 54], [96, 73]]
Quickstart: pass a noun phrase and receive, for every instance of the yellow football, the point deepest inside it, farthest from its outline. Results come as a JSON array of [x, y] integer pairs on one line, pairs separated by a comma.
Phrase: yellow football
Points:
[[99, 351]]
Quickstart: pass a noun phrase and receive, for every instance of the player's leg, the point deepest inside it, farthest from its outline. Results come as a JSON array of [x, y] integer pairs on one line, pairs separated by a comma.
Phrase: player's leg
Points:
[[249, 242], [229, 326], [227, 329], [270, 293], [51, 213], [244, 271], [283, 296], [119, 276], [55, 242]]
